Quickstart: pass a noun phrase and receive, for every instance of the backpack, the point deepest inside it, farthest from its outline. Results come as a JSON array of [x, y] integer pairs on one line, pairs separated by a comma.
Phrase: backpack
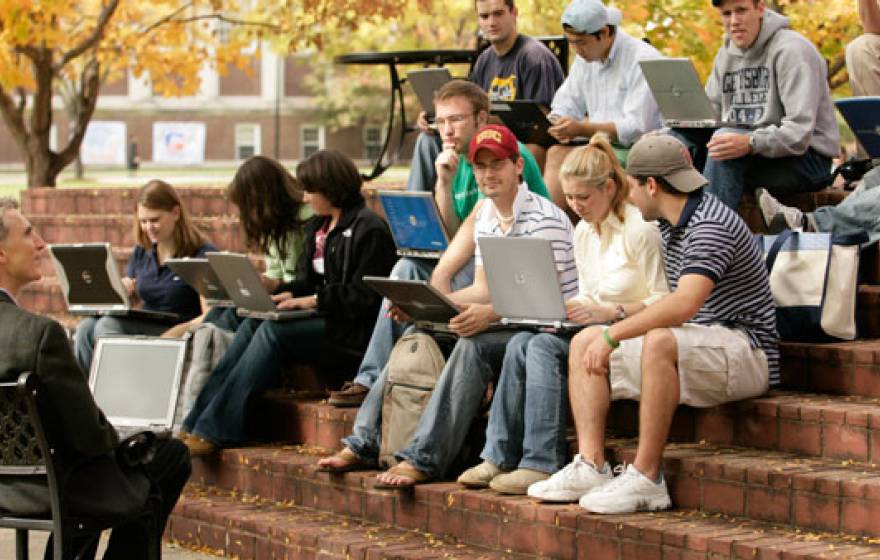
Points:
[[414, 366]]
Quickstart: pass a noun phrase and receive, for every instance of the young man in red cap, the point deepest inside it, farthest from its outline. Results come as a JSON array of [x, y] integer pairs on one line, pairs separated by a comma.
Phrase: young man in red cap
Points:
[[509, 209]]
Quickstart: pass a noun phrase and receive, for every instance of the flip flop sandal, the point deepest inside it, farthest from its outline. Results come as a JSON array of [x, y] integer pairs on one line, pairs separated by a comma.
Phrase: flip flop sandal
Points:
[[352, 462], [410, 472]]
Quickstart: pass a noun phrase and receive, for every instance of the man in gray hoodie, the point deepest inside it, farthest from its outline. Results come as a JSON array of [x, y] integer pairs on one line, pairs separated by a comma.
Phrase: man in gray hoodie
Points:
[[773, 81]]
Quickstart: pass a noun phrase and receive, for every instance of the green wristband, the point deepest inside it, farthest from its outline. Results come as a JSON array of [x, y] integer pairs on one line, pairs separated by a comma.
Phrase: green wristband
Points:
[[611, 342]]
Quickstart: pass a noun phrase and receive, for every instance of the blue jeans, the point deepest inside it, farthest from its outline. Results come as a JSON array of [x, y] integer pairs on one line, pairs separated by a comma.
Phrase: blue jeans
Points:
[[251, 364], [858, 212], [224, 317], [387, 331], [527, 422], [422, 174], [454, 404], [90, 329], [728, 179]]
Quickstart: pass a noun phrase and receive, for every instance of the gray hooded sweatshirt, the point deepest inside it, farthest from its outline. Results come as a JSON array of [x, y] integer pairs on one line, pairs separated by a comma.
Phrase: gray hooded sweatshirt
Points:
[[780, 85]]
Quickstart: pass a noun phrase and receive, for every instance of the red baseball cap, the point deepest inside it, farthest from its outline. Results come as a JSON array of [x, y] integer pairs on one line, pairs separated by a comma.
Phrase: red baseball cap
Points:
[[496, 138]]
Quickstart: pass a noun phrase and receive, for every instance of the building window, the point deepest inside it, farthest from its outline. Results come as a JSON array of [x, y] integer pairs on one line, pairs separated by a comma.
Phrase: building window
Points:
[[247, 140], [311, 139], [372, 142]]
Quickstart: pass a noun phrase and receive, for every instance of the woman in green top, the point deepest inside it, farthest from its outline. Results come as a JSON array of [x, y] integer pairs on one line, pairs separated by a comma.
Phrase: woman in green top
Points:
[[271, 213]]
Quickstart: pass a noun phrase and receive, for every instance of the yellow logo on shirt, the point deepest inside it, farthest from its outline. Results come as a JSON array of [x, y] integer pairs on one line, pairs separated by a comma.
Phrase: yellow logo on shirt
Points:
[[503, 89]]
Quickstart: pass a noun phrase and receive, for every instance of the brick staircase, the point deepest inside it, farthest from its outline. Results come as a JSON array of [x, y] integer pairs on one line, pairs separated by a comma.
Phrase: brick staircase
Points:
[[792, 474]]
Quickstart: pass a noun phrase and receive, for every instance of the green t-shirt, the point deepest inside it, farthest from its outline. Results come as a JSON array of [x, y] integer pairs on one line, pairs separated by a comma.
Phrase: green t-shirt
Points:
[[466, 193], [285, 269]]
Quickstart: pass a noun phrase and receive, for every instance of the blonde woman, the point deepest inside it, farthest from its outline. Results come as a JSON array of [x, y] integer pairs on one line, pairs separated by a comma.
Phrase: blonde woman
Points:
[[620, 271]]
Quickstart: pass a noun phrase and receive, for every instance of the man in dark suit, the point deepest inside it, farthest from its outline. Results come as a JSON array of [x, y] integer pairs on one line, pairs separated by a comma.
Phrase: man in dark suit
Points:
[[98, 484]]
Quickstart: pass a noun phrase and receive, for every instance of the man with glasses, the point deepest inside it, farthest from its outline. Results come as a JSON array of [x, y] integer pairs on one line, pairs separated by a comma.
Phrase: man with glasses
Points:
[[513, 66], [461, 107], [605, 90]]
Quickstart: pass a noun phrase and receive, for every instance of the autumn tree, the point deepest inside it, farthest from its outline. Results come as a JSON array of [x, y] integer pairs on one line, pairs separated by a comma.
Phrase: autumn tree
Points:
[[81, 44]]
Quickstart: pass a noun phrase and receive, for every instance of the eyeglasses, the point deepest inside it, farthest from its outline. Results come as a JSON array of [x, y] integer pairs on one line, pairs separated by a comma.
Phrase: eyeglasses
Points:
[[452, 120]]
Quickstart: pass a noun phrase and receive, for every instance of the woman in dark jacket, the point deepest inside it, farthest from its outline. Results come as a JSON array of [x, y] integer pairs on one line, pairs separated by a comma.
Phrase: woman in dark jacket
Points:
[[345, 241]]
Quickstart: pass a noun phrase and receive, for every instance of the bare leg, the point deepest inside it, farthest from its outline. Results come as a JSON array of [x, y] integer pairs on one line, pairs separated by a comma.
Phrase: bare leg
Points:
[[590, 399], [540, 154], [659, 399], [555, 156]]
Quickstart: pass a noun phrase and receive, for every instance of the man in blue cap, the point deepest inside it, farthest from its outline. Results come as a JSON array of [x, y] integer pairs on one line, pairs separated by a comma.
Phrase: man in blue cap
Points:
[[605, 90]]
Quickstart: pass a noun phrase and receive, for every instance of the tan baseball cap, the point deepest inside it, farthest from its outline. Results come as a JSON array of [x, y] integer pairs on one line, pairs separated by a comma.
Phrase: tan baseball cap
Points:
[[659, 155]]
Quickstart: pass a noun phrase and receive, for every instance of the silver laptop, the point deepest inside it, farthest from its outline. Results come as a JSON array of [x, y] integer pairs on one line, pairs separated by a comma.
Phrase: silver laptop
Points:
[[425, 82], [136, 381], [244, 286], [415, 223], [91, 283], [197, 272], [523, 282], [427, 307], [680, 96]]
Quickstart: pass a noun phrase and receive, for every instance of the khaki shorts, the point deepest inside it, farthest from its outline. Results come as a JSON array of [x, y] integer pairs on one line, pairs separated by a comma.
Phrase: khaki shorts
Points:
[[715, 365]]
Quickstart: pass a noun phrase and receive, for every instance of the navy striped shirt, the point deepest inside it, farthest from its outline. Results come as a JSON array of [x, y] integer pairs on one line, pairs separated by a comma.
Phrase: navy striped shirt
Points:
[[712, 240]]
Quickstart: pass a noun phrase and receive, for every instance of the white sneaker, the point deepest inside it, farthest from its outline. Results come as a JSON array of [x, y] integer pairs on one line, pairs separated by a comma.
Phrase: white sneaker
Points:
[[776, 215], [628, 493], [573, 481]]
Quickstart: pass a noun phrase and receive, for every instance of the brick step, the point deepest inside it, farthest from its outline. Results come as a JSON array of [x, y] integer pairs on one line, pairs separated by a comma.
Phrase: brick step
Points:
[[199, 200], [225, 524], [117, 229], [841, 368], [522, 525]]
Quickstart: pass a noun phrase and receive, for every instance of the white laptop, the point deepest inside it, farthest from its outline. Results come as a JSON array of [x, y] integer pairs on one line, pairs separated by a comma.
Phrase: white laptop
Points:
[[197, 272], [136, 381], [425, 82], [680, 96], [428, 308], [415, 223], [523, 282], [244, 286], [91, 283]]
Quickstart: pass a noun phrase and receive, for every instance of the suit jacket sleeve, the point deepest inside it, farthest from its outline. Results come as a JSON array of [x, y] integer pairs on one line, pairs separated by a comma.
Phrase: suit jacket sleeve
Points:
[[74, 412]]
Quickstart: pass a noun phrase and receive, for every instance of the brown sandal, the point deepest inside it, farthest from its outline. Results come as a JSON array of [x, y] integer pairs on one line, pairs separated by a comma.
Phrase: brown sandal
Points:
[[405, 470], [351, 462]]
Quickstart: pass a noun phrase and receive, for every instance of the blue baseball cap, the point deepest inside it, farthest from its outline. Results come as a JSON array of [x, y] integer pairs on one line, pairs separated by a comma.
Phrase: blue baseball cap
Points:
[[589, 16]]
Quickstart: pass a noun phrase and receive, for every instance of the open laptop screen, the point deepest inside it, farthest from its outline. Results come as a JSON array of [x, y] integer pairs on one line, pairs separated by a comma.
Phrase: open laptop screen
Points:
[[862, 114], [135, 381], [414, 221]]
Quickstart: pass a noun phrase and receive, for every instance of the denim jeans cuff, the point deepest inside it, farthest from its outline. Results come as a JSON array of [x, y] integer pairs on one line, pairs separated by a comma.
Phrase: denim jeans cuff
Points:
[[548, 467], [360, 449], [497, 460], [425, 466]]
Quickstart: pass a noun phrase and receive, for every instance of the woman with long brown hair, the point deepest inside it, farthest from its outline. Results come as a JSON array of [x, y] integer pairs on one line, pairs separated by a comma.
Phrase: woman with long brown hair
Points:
[[163, 230]]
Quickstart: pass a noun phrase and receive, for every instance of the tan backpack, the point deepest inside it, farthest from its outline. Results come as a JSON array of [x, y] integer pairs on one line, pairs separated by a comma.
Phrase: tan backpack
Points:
[[415, 364]]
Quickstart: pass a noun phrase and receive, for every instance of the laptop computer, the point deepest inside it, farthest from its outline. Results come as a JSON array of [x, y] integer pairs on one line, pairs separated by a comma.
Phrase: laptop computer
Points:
[[136, 381], [244, 286], [197, 272], [425, 82], [527, 121], [862, 114], [91, 283], [523, 282], [415, 223], [680, 96], [427, 307]]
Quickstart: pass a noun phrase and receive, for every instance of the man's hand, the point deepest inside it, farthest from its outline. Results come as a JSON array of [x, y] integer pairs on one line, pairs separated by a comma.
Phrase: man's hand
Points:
[[587, 314], [728, 145], [446, 163], [473, 319], [305, 302], [597, 356], [423, 125], [130, 285], [397, 313], [565, 129]]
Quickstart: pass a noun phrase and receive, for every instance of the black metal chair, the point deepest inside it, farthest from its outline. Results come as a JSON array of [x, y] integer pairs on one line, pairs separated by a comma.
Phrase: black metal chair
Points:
[[27, 451], [558, 45]]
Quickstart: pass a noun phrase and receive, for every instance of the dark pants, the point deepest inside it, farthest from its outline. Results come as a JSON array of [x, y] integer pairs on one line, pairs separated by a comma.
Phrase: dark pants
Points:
[[167, 472]]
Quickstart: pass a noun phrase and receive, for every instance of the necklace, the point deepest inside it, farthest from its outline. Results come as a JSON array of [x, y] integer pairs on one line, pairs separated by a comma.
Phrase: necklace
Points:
[[504, 219]]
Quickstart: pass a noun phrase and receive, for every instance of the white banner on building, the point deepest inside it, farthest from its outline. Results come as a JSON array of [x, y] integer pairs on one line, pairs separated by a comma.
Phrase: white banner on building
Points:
[[104, 143], [179, 143]]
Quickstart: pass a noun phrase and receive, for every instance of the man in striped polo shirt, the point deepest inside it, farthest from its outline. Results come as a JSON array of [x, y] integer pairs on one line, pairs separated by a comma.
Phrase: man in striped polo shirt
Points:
[[711, 340], [508, 209]]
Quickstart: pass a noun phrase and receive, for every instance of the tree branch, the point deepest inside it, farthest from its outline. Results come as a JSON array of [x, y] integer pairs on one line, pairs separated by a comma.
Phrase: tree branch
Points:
[[234, 21], [92, 40], [13, 116], [166, 19], [87, 98]]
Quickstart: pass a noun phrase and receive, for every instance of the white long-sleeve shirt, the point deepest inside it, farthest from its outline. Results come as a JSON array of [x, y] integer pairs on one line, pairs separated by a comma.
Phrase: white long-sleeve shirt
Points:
[[612, 91]]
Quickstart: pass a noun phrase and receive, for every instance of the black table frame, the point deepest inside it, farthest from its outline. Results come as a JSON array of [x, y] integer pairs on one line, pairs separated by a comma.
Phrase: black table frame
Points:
[[391, 59]]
